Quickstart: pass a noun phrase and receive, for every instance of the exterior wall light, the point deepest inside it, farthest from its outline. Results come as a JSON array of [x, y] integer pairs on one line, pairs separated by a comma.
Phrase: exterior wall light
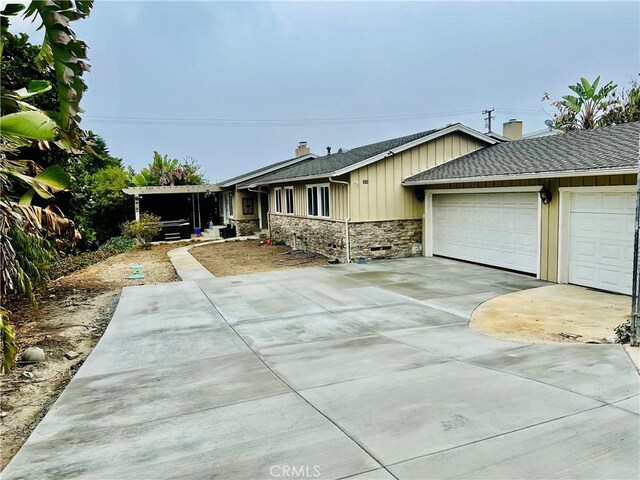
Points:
[[545, 195]]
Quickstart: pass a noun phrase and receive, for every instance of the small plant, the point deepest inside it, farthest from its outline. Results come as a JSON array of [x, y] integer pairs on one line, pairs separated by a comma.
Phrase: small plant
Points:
[[143, 230], [7, 342], [623, 332]]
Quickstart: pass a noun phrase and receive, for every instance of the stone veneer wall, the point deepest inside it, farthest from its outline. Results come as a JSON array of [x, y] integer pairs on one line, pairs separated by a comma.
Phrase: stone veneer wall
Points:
[[385, 239], [323, 236], [371, 240], [246, 227]]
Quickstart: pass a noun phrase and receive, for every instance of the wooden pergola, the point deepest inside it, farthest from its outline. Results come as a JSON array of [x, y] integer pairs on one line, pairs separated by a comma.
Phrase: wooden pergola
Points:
[[194, 190]]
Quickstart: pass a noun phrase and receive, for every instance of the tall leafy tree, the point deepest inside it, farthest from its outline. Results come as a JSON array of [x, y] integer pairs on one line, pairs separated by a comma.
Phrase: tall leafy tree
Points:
[[592, 106], [169, 171], [624, 107]]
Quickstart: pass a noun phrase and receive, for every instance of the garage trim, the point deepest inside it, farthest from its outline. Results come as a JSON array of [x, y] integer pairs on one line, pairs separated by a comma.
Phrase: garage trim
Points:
[[564, 209], [427, 221]]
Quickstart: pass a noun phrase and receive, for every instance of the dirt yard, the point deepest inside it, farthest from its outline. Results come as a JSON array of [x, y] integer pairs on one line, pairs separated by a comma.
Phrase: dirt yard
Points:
[[249, 256], [74, 311], [555, 313]]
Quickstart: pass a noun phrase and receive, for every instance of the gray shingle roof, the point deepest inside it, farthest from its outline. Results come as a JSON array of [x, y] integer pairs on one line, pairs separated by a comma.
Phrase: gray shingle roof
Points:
[[262, 170], [329, 164], [610, 147]]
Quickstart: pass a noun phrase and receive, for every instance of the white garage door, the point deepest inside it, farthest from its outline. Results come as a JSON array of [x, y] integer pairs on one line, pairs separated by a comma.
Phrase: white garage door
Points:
[[601, 240], [498, 229]]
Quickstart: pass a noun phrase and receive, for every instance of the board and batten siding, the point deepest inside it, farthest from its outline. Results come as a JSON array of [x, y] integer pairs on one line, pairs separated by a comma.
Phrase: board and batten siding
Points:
[[238, 195], [550, 215], [377, 192], [337, 198]]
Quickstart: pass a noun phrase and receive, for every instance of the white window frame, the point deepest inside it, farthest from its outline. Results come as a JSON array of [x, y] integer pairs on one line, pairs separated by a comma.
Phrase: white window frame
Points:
[[277, 200], [286, 200], [230, 198], [319, 186]]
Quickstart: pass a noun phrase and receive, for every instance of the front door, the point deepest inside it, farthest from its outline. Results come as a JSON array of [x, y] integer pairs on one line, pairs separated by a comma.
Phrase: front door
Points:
[[264, 211]]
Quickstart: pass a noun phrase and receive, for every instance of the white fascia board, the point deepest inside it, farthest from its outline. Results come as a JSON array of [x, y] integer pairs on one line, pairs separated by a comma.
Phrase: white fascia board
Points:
[[415, 143], [269, 170], [527, 176], [445, 191], [296, 179]]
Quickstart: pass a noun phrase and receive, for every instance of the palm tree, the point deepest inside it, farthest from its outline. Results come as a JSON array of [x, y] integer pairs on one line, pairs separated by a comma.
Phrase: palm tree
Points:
[[585, 109]]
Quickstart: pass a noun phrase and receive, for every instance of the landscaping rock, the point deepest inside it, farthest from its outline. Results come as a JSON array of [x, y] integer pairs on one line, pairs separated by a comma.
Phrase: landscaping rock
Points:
[[71, 355], [33, 355]]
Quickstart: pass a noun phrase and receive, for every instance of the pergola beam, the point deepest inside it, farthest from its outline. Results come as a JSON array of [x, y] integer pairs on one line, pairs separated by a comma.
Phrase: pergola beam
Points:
[[168, 189]]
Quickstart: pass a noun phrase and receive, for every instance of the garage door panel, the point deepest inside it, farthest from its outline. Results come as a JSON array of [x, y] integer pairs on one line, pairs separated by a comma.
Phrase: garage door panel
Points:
[[601, 228], [497, 229]]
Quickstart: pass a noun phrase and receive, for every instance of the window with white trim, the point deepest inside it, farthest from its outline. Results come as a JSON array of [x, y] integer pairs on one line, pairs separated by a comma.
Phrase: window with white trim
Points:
[[288, 200], [277, 194], [230, 202], [318, 200]]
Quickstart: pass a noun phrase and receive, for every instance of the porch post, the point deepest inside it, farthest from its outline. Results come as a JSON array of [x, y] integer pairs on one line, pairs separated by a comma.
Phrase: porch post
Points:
[[136, 203]]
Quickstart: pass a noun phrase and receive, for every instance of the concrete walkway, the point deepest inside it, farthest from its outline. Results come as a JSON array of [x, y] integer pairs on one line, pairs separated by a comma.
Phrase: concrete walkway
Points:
[[187, 267], [349, 371]]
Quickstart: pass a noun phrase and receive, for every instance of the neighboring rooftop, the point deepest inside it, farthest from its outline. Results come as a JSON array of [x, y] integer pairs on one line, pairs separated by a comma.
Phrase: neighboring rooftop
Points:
[[264, 170], [338, 163], [608, 149]]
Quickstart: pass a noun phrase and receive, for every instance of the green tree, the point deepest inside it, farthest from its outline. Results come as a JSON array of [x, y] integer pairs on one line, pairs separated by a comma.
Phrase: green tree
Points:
[[111, 204], [97, 206], [623, 107], [586, 109], [165, 171]]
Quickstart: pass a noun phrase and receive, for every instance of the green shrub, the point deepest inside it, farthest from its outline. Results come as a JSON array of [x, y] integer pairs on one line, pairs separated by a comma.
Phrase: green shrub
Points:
[[143, 230], [118, 245]]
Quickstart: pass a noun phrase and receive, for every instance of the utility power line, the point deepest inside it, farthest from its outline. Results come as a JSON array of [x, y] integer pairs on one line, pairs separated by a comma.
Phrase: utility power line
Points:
[[283, 122]]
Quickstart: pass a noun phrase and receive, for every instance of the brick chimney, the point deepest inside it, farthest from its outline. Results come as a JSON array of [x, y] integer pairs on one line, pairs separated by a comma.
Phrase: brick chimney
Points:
[[512, 129], [302, 149]]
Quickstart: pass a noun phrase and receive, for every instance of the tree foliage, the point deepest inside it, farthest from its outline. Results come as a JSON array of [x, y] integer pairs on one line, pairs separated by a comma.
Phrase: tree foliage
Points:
[[593, 106], [26, 230], [165, 171], [97, 207]]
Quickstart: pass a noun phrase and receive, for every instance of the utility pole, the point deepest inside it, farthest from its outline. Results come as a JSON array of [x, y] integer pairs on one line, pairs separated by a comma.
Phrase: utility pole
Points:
[[488, 118]]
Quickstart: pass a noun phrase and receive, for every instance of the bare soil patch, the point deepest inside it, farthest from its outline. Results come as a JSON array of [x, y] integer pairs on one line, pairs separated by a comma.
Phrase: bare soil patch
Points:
[[251, 256], [73, 313], [555, 313]]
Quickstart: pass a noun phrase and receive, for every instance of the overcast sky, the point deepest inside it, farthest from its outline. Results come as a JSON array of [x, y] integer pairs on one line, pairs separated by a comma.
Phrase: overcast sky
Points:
[[253, 79]]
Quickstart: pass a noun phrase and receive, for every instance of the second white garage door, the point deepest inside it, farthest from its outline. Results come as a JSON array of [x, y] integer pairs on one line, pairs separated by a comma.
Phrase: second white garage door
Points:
[[499, 229], [601, 240]]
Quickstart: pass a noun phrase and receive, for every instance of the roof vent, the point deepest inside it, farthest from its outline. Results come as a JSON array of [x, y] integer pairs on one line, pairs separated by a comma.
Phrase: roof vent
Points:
[[328, 150]]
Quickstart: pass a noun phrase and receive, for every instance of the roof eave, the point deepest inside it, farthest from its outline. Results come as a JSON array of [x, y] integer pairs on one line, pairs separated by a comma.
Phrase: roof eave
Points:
[[296, 179], [527, 176]]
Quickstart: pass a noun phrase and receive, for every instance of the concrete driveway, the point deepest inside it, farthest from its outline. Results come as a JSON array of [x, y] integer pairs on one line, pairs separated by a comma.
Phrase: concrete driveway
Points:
[[350, 371]]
